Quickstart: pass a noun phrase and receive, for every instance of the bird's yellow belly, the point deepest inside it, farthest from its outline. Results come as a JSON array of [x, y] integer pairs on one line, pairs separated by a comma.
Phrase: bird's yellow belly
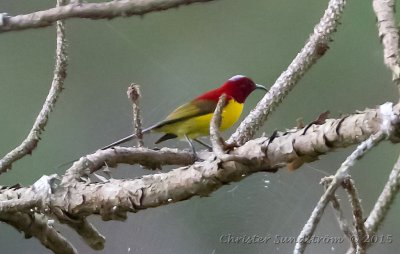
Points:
[[200, 125]]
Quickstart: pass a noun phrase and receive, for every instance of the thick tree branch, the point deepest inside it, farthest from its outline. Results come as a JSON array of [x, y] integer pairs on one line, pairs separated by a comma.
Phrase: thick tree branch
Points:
[[107, 10], [113, 198], [37, 198], [60, 72], [74, 199], [286, 147], [314, 49]]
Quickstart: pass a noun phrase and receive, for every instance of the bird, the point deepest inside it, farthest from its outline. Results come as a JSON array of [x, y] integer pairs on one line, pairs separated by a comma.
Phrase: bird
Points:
[[192, 119]]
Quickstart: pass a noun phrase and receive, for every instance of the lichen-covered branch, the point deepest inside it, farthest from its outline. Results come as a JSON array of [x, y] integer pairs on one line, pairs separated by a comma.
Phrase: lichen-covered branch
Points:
[[60, 72], [389, 34], [314, 49], [113, 198], [106, 10], [75, 198], [284, 148]]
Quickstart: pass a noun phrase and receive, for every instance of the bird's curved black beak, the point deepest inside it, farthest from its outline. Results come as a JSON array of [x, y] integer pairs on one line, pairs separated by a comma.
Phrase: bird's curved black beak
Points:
[[261, 87]]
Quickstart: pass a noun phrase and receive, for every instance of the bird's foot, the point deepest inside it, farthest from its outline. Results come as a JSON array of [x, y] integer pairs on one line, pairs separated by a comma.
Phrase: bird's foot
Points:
[[194, 153]]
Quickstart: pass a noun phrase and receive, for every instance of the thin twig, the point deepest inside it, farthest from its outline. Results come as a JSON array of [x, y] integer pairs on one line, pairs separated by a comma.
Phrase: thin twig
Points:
[[385, 200], [361, 236], [314, 49], [389, 35], [341, 173], [106, 10], [346, 228], [111, 157], [134, 94], [215, 136], [217, 142], [383, 204], [60, 72]]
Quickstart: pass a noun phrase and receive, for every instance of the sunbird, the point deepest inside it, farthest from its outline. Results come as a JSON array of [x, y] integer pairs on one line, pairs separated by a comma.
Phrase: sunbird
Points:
[[192, 120]]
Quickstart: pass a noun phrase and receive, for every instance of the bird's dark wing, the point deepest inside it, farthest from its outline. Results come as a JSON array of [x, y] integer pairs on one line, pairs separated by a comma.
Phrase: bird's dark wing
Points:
[[187, 111]]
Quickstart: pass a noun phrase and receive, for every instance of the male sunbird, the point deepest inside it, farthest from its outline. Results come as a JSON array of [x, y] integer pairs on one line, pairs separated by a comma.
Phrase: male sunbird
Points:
[[192, 120]]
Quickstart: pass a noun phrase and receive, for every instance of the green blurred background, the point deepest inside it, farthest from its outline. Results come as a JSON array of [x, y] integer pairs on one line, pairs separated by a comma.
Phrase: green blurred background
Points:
[[175, 55]]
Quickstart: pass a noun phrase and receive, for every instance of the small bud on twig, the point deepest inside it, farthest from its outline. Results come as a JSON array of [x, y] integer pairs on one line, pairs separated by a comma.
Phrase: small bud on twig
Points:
[[134, 94]]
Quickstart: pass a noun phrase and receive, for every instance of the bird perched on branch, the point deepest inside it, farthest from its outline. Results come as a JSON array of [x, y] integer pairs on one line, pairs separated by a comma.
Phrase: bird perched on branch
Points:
[[192, 120]]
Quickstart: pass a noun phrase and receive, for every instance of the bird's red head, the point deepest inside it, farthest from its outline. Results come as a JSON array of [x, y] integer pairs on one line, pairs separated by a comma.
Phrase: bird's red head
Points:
[[238, 87]]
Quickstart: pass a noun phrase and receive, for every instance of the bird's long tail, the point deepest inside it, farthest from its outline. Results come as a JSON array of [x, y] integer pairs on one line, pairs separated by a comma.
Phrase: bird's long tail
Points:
[[126, 139], [118, 142]]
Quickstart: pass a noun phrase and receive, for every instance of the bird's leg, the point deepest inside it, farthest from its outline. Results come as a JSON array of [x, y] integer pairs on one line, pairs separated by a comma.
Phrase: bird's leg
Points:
[[204, 144], [192, 146]]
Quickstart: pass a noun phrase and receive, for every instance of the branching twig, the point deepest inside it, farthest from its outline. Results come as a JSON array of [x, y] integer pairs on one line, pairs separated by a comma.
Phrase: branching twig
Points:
[[134, 94], [341, 173], [346, 228], [107, 10], [315, 47], [85, 229], [38, 226], [382, 205], [31, 141], [389, 35]]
